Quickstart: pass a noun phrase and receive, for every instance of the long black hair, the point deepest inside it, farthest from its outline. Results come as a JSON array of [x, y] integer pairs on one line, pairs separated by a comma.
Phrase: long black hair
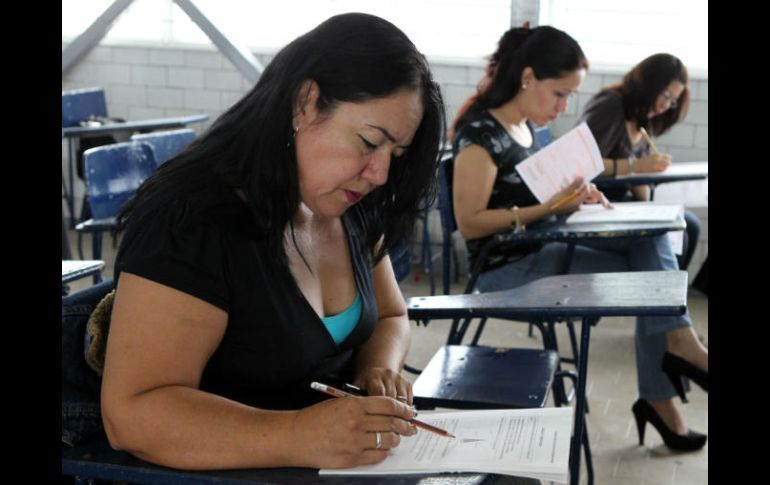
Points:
[[550, 52], [642, 85], [353, 58]]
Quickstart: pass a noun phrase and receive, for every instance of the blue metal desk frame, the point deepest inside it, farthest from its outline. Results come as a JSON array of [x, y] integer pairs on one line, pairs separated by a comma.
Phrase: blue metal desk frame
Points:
[[652, 179], [75, 269], [556, 229], [587, 297]]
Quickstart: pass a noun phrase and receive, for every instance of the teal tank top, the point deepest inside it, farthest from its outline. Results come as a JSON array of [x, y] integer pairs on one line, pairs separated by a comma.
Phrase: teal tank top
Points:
[[340, 325]]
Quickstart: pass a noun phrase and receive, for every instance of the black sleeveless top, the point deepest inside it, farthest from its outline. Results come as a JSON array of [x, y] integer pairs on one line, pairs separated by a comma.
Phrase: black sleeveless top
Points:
[[481, 128]]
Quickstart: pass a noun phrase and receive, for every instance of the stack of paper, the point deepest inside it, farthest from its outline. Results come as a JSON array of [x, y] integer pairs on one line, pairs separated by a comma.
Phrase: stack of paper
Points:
[[530, 443], [626, 212]]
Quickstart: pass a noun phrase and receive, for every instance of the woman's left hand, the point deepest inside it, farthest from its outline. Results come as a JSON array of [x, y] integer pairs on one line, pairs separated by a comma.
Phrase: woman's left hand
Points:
[[381, 381], [596, 196]]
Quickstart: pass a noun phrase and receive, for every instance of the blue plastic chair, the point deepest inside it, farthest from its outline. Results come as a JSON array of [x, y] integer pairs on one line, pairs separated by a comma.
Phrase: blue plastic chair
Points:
[[166, 144], [400, 259], [543, 135], [113, 173], [81, 104]]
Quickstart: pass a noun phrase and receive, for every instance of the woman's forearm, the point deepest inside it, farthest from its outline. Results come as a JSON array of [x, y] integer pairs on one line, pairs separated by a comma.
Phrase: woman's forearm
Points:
[[491, 221], [186, 428], [387, 347]]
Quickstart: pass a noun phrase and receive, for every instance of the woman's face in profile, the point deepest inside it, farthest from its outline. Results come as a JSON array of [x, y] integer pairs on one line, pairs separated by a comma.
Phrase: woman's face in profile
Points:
[[667, 99], [548, 98], [344, 155]]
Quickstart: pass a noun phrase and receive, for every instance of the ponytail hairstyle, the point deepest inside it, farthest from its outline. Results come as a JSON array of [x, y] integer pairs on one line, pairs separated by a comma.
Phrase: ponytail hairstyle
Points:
[[642, 85], [550, 52]]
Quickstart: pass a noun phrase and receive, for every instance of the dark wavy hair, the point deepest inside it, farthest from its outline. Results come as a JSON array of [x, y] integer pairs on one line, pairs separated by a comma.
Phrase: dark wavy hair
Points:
[[550, 52], [642, 85], [354, 58]]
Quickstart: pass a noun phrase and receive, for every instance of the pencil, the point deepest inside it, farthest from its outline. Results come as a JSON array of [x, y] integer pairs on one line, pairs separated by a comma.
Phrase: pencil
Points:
[[568, 198], [333, 391], [649, 140]]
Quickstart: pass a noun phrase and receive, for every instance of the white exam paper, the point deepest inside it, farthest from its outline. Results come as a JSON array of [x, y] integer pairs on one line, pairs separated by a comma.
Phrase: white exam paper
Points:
[[626, 212], [574, 154], [522, 442]]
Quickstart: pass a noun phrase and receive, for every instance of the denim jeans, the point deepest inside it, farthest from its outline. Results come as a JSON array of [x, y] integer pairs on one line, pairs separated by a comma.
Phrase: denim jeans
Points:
[[603, 256], [80, 385], [691, 235]]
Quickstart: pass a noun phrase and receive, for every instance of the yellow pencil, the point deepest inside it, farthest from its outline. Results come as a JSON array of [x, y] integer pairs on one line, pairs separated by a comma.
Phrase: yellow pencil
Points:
[[568, 198], [333, 391], [649, 140]]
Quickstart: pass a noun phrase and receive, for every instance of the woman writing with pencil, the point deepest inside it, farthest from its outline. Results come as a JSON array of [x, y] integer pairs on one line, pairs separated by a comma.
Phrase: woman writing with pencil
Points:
[[255, 262], [650, 99], [529, 80]]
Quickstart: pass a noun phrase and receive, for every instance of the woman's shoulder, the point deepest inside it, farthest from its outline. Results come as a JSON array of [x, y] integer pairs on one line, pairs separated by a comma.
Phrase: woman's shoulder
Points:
[[213, 209], [475, 122], [607, 100], [479, 128]]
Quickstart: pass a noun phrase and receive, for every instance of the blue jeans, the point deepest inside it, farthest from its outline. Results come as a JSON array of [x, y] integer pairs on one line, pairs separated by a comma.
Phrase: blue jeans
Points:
[[604, 256], [80, 385]]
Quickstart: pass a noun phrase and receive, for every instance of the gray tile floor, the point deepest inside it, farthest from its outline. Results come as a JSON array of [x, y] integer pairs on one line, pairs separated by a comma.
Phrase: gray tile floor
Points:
[[618, 459]]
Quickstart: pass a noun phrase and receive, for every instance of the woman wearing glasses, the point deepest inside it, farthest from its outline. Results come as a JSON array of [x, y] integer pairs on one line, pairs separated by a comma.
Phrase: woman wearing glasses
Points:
[[653, 95]]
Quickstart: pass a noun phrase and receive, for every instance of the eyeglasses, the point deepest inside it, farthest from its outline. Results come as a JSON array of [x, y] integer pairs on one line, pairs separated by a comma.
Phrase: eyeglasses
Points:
[[669, 99]]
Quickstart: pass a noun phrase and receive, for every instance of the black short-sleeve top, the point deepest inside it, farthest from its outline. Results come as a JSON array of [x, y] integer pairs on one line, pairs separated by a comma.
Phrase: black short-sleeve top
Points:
[[605, 116], [481, 128], [274, 344]]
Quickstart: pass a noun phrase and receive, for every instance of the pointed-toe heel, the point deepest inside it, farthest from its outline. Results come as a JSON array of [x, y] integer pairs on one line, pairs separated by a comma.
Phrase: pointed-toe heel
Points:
[[676, 367], [643, 413]]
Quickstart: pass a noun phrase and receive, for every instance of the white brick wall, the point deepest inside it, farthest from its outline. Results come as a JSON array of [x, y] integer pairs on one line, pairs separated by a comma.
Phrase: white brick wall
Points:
[[150, 82]]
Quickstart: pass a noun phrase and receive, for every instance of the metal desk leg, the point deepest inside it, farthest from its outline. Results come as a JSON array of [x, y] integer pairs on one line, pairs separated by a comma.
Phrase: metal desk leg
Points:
[[70, 193], [580, 404]]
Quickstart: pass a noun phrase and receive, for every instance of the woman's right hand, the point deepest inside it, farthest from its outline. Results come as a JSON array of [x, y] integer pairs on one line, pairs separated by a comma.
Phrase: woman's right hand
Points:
[[341, 433], [652, 163], [567, 191]]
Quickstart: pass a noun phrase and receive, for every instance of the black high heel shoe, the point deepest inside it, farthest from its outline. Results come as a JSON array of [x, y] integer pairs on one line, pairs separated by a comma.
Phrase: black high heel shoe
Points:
[[676, 367], [643, 412]]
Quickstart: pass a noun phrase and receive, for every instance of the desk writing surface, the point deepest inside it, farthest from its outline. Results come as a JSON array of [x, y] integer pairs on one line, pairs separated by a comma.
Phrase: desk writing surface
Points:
[[631, 293], [98, 460], [676, 172], [626, 212], [151, 124], [556, 229], [72, 270]]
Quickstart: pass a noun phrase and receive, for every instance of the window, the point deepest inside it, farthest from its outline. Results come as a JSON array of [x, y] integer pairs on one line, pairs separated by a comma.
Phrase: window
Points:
[[459, 29], [620, 33]]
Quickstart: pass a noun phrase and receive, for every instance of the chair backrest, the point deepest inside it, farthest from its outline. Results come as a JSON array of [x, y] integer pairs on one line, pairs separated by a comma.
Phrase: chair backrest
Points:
[[446, 211], [445, 205], [401, 260], [543, 134], [80, 104], [113, 173], [166, 144]]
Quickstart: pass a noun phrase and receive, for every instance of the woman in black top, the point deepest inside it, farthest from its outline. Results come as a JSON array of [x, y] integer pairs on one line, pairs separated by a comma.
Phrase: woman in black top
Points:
[[528, 80], [653, 95], [255, 262]]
